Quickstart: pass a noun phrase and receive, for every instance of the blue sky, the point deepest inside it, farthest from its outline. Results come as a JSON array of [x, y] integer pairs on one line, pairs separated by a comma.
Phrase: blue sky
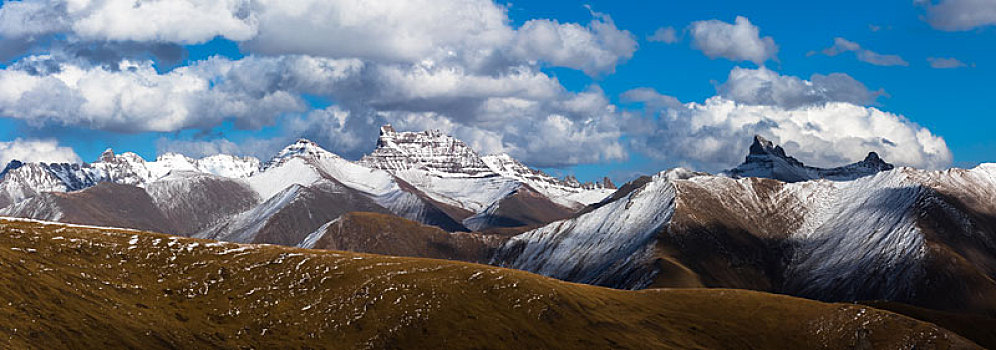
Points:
[[954, 104]]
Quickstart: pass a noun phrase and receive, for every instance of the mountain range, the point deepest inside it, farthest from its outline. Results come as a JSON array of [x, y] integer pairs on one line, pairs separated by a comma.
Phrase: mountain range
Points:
[[426, 177], [858, 232]]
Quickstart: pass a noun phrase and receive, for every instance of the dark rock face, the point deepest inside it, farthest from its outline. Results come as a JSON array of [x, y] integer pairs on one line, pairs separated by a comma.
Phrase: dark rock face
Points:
[[13, 164], [768, 160]]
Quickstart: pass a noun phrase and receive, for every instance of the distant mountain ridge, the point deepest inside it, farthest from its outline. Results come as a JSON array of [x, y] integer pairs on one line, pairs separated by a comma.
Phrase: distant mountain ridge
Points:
[[427, 177], [768, 160]]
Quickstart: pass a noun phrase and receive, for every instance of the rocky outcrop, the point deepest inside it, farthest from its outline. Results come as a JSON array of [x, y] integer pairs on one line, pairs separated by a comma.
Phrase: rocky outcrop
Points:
[[770, 161]]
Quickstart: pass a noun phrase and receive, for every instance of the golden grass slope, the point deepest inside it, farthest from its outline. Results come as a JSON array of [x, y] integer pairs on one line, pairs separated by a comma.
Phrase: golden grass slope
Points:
[[68, 287]]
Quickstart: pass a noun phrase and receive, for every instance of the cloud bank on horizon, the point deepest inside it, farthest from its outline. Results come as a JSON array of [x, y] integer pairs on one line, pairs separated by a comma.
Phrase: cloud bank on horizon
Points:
[[460, 66]]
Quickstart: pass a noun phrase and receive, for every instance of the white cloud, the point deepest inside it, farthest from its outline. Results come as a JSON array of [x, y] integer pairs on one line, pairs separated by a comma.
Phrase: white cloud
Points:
[[31, 18], [825, 129], [650, 98], [957, 15], [665, 35], [597, 48], [841, 45], [179, 21], [476, 33], [383, 30], [766, 87], [32, 150], [945, 62], [740, 41], [136, 98], [255, 147]]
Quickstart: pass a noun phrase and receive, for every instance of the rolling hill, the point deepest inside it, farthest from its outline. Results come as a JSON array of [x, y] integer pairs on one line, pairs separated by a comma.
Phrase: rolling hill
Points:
[[72, 287]]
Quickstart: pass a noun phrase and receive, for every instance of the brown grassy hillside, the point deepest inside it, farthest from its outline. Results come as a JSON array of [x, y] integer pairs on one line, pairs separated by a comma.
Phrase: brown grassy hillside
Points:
[[392, 235], [83, 288]]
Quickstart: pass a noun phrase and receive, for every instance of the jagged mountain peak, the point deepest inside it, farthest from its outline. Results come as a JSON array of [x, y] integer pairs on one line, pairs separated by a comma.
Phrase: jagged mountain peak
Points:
[[768, 160], [429, 150], [303, 148], [106, 156], [874, 161], [109, 157], [762, 145], [13, 164], [607, 183], [763, 148]]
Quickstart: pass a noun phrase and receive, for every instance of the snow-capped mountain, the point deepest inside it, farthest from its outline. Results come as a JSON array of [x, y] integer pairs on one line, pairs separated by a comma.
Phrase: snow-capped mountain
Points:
[[429, 151], [770, 161], [892, 235], [493, 190], [306, 164], [427, 177], [24, 180], [612, 245], [568, 192], [224, 165], [441, 167]]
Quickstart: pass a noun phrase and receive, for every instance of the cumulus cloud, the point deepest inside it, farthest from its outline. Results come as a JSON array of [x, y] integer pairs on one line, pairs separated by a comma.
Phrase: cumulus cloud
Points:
[[35, 150], [198, 148], [650, 98], [841, 45], [822, 128], [945, 62], [594, 49], [135, 97], [766, 87], [29, 19], [740, 41], [474, 32], [181, 21], [665, 35], [387, 30], [958, 15]]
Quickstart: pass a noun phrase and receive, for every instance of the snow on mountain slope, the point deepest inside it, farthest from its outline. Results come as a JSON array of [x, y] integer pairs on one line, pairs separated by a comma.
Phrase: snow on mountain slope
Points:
[[291, 215], [770, 161], [430, 151], [442, 167], [244, 227], [26, 180], [294, 171], [306, 164], [228, 165], [449, 172], [865, 246], [194, 200], [220, 164], [474, 194], [889, 236], [611, 245], [571, 194]]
